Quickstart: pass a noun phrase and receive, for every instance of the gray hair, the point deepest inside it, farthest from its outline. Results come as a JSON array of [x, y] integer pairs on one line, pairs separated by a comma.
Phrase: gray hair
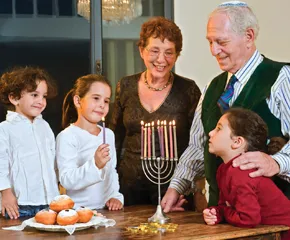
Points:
[[241, 17]]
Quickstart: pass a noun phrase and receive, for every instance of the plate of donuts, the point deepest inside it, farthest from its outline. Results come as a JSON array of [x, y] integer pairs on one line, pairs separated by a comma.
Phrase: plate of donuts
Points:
[[95, 221], [62, 217]]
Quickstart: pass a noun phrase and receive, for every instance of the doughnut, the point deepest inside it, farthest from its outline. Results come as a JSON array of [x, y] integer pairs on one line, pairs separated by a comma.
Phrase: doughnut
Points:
[[85, 214], [67, 217], [61, 202], [46, 216]]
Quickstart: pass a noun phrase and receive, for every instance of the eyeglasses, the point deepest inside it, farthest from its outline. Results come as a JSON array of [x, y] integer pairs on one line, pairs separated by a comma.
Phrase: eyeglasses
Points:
[[153, 52]]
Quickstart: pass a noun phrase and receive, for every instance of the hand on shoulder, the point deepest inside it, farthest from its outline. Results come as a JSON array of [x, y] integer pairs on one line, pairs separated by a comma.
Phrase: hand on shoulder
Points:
[[264, 163]]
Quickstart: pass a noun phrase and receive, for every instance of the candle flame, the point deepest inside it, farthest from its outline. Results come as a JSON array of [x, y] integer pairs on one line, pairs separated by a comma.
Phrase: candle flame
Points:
[[165, 122], [173, 122], [142, 123], [103, 119], [152, 124], [170, 123], [148, 124]]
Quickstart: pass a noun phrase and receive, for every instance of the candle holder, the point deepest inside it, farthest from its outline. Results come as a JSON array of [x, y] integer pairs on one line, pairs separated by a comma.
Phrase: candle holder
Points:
[[159, 171]]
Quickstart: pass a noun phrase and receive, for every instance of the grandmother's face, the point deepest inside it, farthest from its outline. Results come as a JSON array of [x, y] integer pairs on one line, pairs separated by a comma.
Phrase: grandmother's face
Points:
[[159, 57]]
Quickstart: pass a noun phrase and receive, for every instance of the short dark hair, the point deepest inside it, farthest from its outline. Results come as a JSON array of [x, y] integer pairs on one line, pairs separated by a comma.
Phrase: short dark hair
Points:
[[249, 125], [163, 28], [19, 79]]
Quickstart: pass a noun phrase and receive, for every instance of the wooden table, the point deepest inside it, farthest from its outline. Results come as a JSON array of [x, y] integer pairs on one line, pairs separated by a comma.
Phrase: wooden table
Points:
[[190, 226]]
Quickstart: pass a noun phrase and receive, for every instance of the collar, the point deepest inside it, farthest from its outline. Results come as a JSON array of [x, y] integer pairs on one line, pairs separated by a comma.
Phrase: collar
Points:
[[230, 162], [16, 117], [246, 71]]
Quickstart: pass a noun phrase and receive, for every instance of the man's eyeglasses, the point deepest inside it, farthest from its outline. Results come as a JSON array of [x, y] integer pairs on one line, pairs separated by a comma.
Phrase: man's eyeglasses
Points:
[[155, 53]]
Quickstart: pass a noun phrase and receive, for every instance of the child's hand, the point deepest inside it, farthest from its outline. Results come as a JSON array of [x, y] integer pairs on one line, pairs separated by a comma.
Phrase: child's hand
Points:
[[209, 216], [114, 204], [102, 155], [9, 204]]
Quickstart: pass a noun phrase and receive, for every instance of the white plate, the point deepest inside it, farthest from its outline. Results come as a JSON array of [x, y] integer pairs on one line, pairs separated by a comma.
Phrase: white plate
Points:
[[57, 228]]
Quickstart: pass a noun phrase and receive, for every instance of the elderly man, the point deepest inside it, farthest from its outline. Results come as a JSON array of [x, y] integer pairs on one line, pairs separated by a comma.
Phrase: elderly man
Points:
[[250, 80]]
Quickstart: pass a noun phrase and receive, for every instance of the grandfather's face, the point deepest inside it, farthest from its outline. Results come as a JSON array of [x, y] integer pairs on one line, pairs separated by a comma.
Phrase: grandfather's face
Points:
[[230, 49]]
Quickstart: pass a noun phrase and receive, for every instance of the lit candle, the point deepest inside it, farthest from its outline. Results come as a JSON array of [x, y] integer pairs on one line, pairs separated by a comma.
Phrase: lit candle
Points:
[[159, 136], [153, 141], [142, 139], [166, 140], [175, 141], [145, 141], [104, 131], [162, 140], [170, 140], [149, 141]]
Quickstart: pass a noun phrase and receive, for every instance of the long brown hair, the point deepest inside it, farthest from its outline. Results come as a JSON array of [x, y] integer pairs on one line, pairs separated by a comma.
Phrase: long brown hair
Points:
[[251, 126], [81, 88]]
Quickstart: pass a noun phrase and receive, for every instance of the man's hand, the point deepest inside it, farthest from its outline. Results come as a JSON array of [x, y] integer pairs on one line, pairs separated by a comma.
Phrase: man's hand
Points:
[[114, 204], [102, 155], [172, 201], [265, 164], [9, 204], [209, 216]]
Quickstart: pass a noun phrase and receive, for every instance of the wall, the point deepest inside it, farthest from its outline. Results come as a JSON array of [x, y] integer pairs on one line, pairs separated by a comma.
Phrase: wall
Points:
[[196, 61]]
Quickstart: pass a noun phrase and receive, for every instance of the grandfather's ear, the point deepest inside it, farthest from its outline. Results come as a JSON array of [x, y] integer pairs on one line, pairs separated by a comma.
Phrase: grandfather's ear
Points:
[[250, 37]]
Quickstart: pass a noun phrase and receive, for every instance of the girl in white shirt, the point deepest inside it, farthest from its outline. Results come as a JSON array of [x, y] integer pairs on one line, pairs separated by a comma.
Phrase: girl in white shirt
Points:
[[87, 165], [27, 145]]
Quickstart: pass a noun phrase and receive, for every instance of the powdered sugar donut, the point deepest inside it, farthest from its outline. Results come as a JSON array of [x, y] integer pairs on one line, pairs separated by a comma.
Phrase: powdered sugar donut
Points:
[[61, 202], [46, 216], [85, 214], [67, 217]]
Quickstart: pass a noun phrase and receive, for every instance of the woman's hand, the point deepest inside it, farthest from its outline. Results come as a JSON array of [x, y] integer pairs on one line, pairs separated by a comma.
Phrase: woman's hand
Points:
[[114, 204], [102, 156], [9, 204], [209, 216]]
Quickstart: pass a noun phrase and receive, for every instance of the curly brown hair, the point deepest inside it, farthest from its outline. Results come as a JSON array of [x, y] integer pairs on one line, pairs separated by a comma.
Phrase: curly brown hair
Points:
[[19, 79], [160, 27], [251, 126]]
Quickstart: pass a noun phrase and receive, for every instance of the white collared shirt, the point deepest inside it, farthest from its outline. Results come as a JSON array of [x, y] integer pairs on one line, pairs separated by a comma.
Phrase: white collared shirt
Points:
[[191, 163], [87, 185], [27, 159]]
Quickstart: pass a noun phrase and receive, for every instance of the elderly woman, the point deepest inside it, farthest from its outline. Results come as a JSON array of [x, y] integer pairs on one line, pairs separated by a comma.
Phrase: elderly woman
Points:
[[155, 94]]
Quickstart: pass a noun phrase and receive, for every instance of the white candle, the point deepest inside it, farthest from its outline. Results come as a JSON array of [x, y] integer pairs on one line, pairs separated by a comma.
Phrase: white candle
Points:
[[142, 139], [149, 141], [153, 141], [104, 131]]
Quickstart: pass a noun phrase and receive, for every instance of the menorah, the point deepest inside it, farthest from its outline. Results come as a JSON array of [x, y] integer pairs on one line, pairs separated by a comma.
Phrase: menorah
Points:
[[159, 170]]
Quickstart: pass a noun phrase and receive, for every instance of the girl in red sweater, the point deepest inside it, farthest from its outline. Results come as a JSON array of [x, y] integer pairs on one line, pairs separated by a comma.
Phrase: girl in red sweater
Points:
[[245, 201]]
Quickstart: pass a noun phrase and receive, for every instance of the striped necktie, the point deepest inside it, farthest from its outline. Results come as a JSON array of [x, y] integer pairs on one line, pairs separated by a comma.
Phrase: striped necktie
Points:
[[227, 95]]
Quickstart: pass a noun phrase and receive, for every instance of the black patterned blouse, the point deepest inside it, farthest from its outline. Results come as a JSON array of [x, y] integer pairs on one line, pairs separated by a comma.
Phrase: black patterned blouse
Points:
[[127, 114]]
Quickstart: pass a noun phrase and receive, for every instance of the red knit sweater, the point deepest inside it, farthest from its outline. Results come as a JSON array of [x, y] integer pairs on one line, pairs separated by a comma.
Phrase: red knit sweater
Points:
[[250, 201]]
